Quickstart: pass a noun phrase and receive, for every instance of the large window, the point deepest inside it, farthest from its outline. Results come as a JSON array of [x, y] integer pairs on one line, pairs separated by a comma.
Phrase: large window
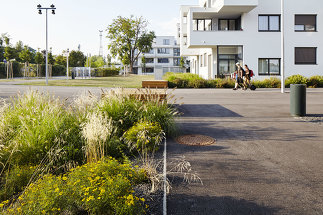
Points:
[[305, 22], [227, 25], [305, 55], [269, 66], [177, 52], [149, 60], [269, 22], [163, 60], [151, 51], [228, 56], [202, 25], [163, 51]]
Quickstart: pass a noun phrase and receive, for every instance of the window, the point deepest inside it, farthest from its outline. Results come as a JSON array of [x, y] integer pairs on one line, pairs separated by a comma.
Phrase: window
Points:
[[205, 59], [185, 40], [305, 55], [166, 42], [149, 60], [269, 66], [163, 51], [202, 25], [227, 24], [177, 61], [269, 23], [149, 70], [151, 51], [177, 52], [163, 60], [305, 22]]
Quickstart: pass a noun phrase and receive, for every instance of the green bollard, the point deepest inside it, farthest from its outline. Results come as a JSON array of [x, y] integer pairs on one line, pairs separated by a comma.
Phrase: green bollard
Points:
[[298, 99]]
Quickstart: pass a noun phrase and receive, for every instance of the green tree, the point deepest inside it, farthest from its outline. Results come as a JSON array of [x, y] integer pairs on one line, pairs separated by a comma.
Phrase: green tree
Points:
[[26, 55], [10, 53], [109, 60], [39, 58], [182, 63], [129, 38], [143, 63], [60, 60], [19, 47], [96, 61], [76, 59]]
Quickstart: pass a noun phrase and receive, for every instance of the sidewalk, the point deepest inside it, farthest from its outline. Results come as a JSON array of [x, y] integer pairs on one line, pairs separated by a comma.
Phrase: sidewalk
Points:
[[264, 161]]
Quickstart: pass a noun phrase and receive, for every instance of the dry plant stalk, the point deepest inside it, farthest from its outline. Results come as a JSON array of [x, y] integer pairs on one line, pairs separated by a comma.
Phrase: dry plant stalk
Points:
[[96, 131]]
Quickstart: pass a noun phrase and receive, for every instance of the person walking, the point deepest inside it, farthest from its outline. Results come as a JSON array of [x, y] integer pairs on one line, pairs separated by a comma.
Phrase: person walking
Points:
[[239, 74], [246, 79]]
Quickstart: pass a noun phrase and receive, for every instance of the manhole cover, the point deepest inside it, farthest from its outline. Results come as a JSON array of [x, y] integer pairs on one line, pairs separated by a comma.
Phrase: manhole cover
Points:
[[196, 140]]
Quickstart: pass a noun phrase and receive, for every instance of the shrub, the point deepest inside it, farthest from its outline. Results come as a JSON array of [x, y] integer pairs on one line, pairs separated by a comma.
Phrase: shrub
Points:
[[95, 188], [296, 79], [184, 80], [106, 72], [267, 83], [144, 136], [15, 180], [315, 81]]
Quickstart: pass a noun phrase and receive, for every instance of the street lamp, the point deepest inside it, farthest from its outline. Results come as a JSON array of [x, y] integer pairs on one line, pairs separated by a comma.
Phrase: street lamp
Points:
[[282, 49], [67, 54], [52, 8]]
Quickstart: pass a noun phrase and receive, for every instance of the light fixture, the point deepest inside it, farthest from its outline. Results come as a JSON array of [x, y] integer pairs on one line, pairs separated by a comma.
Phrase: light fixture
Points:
[[38, 6], [52, 6], [39, 12], [53, 11]]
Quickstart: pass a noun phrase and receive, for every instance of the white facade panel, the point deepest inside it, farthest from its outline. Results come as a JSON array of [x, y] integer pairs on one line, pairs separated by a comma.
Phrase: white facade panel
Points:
[[256, 44]]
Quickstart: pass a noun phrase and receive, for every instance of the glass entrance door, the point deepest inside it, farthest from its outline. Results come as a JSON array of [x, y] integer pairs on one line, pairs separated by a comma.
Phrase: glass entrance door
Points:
[[228, 56]]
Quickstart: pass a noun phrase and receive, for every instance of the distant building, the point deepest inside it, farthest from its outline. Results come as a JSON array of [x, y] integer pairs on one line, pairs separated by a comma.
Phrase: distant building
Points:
[[215, 34], [165, 53]]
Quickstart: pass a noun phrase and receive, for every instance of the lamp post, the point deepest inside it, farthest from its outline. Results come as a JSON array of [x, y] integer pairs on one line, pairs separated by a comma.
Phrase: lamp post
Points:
[[67, 54], [282, 49], [40, 8]]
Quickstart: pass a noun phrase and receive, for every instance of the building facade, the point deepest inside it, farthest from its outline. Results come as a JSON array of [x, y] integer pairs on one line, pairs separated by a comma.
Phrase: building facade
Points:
[[218, 33], [165, 54]]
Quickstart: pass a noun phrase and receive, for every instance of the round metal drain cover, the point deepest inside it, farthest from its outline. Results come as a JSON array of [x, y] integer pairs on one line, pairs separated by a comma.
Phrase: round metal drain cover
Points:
[[196, 140]]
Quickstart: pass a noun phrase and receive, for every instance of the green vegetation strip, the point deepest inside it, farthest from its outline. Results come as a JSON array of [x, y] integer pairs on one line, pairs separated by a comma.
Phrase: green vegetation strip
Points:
[[132, 81]]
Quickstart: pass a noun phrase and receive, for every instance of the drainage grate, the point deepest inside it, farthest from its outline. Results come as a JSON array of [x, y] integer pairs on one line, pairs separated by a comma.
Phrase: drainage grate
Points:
[[196, 140]]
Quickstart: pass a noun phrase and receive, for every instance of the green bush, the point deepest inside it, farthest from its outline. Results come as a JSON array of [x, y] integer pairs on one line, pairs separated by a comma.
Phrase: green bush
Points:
[[15, 180], [315, 81], [296, 79], [144, 136], [267, 83], [106, 72], [95, 188], [184, 80]]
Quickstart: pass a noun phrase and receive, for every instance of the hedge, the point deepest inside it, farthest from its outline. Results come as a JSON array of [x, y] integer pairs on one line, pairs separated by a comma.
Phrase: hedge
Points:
[[106, 72]]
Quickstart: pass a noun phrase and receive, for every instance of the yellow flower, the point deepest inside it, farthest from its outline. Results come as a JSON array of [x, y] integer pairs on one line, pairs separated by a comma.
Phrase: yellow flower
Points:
[[18, 174], [64, 178], [57, 190]]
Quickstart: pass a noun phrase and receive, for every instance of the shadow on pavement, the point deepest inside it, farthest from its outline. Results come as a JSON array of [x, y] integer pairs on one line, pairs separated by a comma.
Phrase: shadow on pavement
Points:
[[206, 110], [207, 205]]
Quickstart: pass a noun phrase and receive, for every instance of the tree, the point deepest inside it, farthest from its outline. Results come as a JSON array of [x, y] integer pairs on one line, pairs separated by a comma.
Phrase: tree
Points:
[[143, 63], [96, 61], [182, 63], [26, 55], [109, 60], [39, 58], [76, 59], [129, 38], [51, 59], [60, 60]]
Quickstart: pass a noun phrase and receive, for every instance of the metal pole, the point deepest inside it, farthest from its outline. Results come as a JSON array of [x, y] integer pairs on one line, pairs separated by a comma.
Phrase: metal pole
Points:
[[46, 49], [67, 64], [282, 49]]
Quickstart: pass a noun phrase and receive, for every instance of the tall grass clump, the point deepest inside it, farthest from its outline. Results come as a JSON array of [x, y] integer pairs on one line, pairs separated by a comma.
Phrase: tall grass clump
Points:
[[184, 80], [36, 128], [267, 83], [97, 130]]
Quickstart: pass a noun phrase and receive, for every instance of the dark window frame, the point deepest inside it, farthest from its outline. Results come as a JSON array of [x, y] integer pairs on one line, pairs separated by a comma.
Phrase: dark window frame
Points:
[[204, 27], [269, 74], [309, 63], [315, 30], [268, 15], [160, 60]]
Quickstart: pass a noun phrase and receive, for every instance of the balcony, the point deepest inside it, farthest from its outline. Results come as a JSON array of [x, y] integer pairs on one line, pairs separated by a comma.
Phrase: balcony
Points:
[[235, 6]]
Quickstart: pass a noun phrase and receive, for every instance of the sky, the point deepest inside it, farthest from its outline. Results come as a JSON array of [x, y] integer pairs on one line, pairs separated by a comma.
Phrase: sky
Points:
[[77, 22]]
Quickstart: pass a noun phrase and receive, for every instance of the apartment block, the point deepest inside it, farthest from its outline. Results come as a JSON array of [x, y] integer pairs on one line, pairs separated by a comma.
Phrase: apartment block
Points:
[[165, 54], [215, 34]]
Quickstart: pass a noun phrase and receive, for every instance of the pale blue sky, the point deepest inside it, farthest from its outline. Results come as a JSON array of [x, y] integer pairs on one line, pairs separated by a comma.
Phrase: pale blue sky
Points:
[[79, 21]]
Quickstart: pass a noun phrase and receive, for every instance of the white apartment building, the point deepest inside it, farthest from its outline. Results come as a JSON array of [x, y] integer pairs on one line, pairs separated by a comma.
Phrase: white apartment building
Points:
[[165, 54], [218, 33]]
